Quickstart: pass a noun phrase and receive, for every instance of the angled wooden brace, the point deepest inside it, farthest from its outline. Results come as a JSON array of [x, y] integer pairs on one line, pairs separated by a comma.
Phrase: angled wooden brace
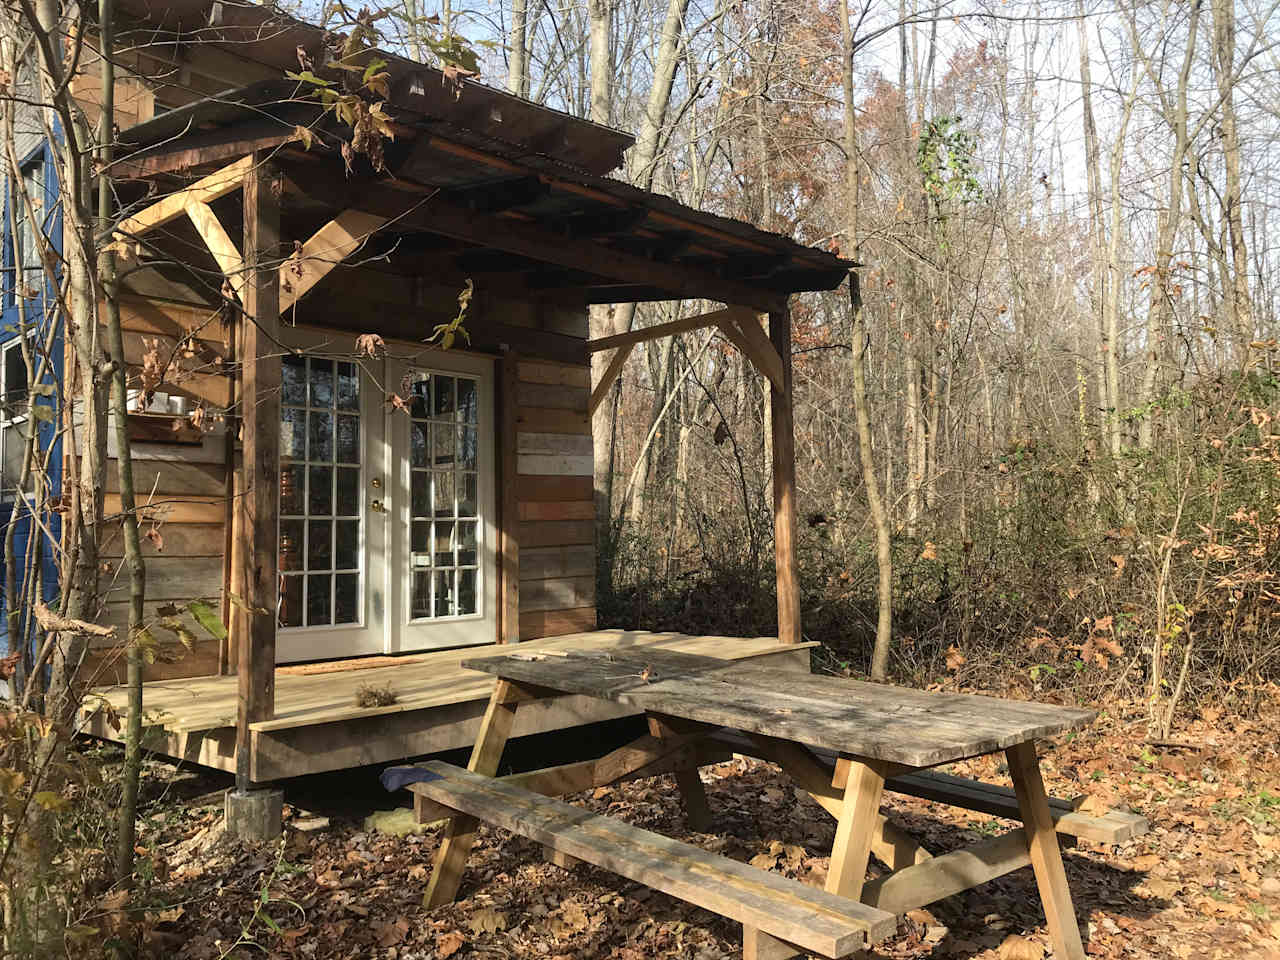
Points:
[[220, 244], [326, 248]]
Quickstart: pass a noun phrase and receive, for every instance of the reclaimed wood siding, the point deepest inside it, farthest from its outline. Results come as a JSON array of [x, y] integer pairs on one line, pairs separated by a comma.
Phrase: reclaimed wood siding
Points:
[[554, 495], [181, 490]]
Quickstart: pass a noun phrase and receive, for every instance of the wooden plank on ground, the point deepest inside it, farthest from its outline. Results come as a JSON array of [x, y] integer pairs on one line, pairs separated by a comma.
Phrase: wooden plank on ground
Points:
[[806, 916]]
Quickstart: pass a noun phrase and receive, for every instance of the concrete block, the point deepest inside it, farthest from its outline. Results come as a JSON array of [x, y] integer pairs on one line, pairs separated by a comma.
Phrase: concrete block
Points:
[[255, 815]]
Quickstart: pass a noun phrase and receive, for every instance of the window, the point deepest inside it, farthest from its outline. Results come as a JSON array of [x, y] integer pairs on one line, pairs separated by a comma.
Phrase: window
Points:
[[14, 417], [320, 493], [29, 232]]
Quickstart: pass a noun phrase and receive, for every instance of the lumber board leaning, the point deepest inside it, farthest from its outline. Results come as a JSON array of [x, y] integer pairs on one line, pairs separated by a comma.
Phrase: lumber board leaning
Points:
[[786, 909]]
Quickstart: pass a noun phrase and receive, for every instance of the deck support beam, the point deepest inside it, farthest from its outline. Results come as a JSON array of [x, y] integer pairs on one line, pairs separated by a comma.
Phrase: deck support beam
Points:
[[255, 547], [784, 482]]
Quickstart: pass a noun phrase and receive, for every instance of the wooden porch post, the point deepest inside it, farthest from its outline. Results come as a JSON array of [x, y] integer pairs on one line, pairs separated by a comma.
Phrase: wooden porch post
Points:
[[784, 484], [260, 435]]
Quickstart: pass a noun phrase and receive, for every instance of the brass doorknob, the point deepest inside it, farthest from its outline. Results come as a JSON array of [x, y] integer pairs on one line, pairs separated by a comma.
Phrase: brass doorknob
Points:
[[377, 507]]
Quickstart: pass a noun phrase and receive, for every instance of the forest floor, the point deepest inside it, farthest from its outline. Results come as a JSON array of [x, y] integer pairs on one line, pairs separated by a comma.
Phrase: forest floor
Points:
[[1205, 882]]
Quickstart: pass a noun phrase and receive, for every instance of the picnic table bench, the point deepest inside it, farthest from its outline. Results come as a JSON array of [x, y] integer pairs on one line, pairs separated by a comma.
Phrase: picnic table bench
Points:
[[844, 742]]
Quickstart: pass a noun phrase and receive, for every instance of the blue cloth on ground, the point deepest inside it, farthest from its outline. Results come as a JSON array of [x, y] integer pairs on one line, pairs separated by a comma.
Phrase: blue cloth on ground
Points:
[[397, 778]]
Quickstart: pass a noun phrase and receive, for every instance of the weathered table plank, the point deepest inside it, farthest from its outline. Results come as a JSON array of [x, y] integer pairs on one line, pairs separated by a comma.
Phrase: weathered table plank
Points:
[[875, 721]]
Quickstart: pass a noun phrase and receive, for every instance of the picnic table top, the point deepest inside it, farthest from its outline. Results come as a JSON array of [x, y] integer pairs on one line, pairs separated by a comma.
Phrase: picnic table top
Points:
[[876, 721]]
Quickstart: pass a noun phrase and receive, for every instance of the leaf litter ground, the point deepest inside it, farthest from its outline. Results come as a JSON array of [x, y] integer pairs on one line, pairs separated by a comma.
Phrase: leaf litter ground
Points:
[[1204, 883]]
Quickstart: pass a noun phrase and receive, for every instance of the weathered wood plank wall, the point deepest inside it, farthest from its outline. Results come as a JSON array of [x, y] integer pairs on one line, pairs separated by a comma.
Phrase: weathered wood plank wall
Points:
[[554, 490], [182, 490]]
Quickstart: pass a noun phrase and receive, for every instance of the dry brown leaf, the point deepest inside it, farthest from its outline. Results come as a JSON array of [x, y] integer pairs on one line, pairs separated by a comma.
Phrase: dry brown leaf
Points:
[[955, 659], [1015, 947], [447, 944], [488, 920], [1148, 861]]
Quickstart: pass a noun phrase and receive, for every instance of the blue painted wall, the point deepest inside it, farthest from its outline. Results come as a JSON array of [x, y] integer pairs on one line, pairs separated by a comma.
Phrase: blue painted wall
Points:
[[43, 532]]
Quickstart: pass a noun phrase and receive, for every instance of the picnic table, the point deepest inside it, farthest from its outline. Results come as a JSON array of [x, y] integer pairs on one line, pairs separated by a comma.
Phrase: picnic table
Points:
[[843, 741]]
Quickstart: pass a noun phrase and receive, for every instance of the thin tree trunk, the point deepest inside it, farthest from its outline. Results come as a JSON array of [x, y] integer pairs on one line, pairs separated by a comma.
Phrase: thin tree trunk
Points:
[[518, 57], [858, 343], [1223, 59]]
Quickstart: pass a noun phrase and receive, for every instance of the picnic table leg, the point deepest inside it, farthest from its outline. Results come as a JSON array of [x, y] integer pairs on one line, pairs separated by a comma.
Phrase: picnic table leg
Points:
[[460, 834], [1046, 857], [697, 812], [856, 826]]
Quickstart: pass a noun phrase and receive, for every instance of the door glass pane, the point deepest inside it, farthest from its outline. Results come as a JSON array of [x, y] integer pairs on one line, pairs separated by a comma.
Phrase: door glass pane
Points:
[[444, 462], [348, 387], [293, 486], [321, 566], [346, 597], [319, 591], [291, 601], [466, 592], [467, 495]]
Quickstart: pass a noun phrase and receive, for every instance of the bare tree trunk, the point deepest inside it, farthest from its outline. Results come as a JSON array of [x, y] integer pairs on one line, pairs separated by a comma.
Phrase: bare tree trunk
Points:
[[518, 57], [1159, 312], [858, 344], [124, 460], [1223, 60]]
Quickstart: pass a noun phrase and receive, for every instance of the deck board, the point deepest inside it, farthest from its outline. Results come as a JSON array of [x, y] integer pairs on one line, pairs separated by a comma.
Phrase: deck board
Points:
[[434, 679]]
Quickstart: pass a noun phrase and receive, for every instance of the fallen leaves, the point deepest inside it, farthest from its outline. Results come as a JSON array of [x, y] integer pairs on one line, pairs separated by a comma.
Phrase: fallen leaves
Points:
[[447, 944]]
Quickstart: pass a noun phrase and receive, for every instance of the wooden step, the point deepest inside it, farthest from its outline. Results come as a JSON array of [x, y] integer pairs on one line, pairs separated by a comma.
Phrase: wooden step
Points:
[[791, 911], [1114, 826]]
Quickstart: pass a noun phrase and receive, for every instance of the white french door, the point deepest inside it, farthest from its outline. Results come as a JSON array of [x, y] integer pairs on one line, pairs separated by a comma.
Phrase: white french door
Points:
[[442, 559], [386, 536]]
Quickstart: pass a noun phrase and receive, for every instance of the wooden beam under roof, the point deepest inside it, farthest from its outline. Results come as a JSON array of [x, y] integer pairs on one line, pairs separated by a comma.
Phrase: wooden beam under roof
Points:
[[218, 184], [683, 325], [428, 211]]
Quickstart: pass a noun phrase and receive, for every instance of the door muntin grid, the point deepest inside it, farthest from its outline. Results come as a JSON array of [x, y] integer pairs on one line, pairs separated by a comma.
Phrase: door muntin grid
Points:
[[321, 491], [445, 532]]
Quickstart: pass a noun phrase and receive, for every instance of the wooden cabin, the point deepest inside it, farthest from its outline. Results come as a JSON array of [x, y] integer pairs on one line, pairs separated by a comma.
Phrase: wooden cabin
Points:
[[360, 504]]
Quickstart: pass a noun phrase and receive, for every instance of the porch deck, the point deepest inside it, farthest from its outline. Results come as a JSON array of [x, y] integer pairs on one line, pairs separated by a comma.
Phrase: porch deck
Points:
[[318, 727]]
